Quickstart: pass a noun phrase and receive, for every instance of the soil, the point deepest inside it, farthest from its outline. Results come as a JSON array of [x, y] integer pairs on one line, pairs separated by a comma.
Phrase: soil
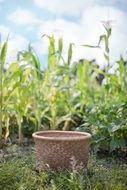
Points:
[[118, 154], [15, 150]]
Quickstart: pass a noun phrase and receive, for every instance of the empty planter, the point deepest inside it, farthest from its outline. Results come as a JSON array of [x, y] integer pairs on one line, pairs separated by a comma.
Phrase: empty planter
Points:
[[61, 149]]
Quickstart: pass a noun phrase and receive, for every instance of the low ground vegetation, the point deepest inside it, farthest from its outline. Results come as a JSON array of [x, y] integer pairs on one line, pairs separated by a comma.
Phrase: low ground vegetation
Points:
[[18, 172]]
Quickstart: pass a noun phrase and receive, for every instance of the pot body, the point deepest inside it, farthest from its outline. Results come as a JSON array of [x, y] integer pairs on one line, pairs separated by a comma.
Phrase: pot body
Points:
[[60, 150]]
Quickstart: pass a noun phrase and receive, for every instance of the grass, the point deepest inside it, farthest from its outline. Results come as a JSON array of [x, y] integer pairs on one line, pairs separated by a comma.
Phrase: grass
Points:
[[17, 172]]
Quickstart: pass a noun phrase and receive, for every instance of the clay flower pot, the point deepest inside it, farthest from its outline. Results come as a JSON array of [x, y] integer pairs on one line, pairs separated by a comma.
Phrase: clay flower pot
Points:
[[61, 149]]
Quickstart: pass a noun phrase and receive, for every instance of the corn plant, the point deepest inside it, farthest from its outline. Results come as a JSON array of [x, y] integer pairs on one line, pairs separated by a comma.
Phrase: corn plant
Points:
[[3, 51], [61, 96], [57, 86]]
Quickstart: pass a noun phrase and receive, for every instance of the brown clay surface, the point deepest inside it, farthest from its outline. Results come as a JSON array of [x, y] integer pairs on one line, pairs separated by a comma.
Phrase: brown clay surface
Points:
[[61, 149]]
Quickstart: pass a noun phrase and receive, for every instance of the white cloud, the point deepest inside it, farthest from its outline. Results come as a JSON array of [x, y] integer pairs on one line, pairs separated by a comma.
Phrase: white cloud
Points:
[[69, 7], [92, 22], [62, 27], [88, 30], [16, 43], [4, 31], [23, 17], [85, 31], [41, 46]]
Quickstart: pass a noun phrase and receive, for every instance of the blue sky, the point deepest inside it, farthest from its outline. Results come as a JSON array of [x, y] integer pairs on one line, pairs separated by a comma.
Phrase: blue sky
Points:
[[75, 21]]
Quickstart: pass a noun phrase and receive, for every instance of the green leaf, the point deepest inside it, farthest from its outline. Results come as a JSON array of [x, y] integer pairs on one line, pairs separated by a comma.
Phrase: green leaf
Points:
[[117, 143], [69, 54], [121, 66], [106, 57], [3, 53], [90, 46], [60, 48], [116, 128], [102, 38], [51, 54]]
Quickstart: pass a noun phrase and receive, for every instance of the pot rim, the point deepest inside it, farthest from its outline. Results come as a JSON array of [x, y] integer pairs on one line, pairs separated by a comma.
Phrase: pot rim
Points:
[[80, 135]]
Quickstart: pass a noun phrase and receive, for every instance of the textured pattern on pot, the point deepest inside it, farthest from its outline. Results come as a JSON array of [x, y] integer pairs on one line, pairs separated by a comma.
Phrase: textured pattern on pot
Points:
[[60, 150]]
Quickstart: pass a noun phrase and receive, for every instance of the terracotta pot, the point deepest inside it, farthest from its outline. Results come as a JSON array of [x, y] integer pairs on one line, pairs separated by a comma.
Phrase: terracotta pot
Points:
[[61, 149]]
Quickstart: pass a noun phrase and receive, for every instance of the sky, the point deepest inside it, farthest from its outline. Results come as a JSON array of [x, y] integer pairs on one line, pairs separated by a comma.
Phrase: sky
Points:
[[76, 21]]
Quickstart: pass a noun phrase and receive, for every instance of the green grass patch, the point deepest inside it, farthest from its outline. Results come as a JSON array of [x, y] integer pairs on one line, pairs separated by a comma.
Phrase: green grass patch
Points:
[[17, 172]]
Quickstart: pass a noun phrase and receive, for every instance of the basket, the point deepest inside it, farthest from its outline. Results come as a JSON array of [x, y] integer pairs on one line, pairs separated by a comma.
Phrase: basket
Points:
[[61, 150]]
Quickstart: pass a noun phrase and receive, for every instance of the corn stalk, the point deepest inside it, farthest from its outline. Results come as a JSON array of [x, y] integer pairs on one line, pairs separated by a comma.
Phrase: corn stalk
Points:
[[3, 51]]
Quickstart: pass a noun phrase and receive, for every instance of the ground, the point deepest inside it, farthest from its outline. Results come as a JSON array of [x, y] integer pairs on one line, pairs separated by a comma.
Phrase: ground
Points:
[[18, 172]]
